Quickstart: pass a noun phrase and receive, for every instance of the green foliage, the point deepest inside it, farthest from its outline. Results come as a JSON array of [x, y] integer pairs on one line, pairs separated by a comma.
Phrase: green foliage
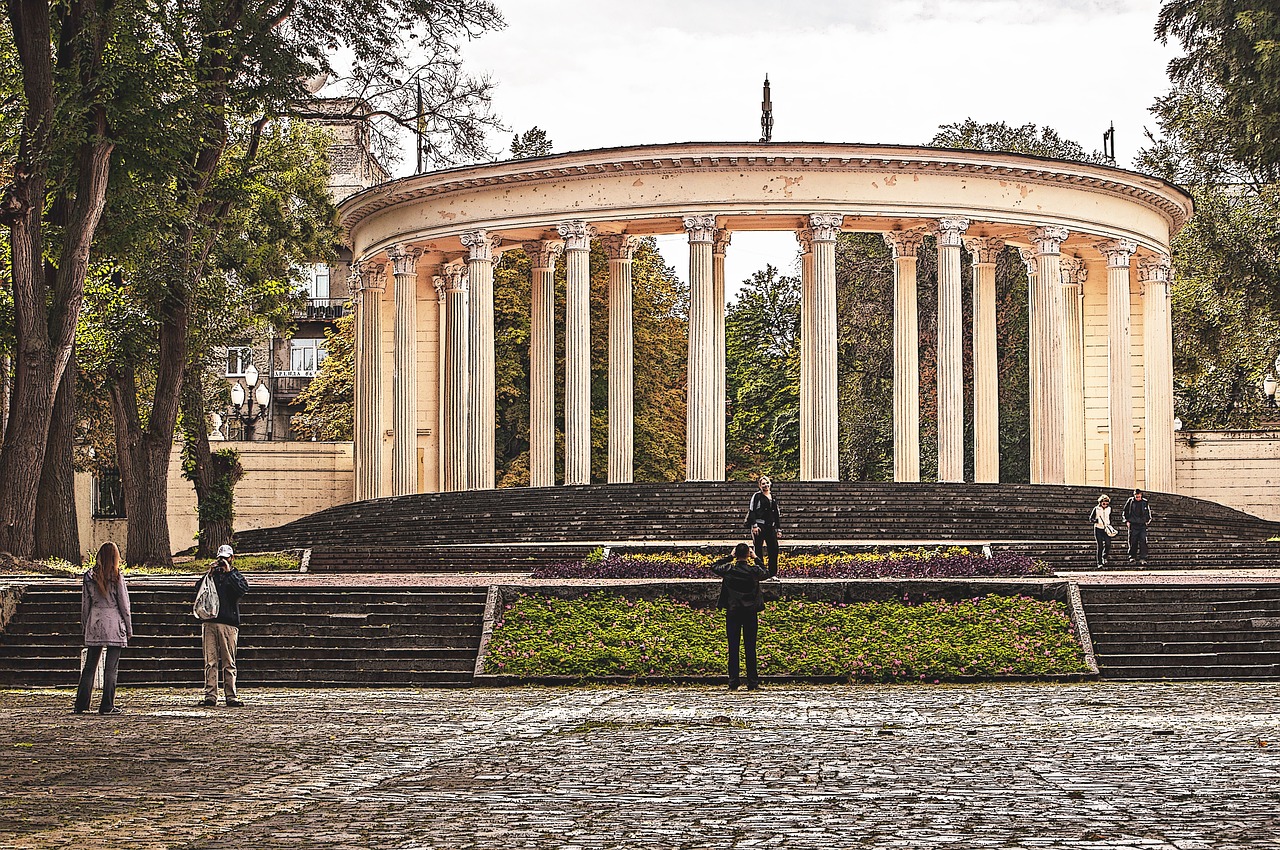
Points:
[[218, 505], [328, 402], [605, 635], [999, 136], [533, 142]]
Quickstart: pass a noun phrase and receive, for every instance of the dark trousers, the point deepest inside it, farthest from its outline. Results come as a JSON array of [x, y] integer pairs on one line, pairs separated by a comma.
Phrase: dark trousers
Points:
[[767, 538], [1137, 542], [85, 690], [1104, 545], [742, 627]]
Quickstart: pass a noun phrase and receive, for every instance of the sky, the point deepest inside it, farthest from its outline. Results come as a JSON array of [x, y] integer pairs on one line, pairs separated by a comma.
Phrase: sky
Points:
[[607, 72]]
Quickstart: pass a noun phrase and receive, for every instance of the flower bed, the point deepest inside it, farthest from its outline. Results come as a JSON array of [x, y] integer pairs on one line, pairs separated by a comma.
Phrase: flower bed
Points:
[[602, 635], [955, 562]]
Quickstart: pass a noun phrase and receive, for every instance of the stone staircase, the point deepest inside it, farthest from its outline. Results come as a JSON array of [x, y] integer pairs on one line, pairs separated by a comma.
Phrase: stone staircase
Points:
[[1185, 631], [295, 636], [1078, 555]]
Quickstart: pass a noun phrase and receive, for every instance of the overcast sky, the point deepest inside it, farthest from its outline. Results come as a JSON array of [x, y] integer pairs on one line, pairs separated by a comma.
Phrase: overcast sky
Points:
[[622, 72]]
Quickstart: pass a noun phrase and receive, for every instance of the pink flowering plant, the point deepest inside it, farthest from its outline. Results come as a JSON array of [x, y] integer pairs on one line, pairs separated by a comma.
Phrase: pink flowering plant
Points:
[[952, 562], [602, 635]]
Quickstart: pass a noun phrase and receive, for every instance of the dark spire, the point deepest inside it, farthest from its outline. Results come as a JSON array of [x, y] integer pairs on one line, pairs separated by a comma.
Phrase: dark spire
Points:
[[766, 114]]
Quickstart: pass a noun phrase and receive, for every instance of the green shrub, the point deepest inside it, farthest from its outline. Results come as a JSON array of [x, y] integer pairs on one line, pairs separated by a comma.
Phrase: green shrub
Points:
[[606, 635]]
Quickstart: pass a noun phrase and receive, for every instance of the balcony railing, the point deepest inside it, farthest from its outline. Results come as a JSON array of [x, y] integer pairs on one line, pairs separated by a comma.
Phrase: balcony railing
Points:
[[323, 309]]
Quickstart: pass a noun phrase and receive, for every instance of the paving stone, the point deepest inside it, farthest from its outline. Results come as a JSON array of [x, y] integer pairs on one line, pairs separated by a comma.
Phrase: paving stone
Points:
[[1041, 766]]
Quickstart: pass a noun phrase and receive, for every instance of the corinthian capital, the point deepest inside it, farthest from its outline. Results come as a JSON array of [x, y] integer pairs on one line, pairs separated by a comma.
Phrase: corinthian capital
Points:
[[620, 247], [984, 251], [373, 276], [544, 253], [439, 281], [701, 228], [480, 244], [721, 242], [1048, 240], [1155, 269], [950, 231], [805, 238], [826, 226], [905, 243], [1074, 272], [455, 277], [577, 235], [1118, 252], [1028, 256], [404, 259]]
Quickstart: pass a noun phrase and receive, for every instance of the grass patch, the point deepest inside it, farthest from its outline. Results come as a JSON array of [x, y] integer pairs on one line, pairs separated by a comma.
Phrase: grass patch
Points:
[[606, 635], [182, 565]]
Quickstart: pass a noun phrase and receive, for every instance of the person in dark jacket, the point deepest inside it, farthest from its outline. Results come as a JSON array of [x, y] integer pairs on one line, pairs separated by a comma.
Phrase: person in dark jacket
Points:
[[763, 519], [742, 601], [108, 625], [1137, 516], [222, 633]]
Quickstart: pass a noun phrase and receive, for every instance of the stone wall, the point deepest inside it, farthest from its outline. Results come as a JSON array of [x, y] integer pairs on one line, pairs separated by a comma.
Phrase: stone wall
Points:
[[1240, 469]]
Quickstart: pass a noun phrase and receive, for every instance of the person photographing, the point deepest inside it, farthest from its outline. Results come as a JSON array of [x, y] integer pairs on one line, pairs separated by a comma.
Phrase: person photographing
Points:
[[221, 632], [742, 602]]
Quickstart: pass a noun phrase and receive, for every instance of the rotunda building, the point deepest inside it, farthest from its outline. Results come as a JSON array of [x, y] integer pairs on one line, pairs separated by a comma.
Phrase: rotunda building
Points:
[[1095, 240]]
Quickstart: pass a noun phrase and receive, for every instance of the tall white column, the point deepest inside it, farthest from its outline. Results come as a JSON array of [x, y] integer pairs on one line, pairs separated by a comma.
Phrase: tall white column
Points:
[[825, 456], [481, 467], [542, 362], [1157, 360], [701, 383], [368, 442], [1119, 362], [577, 351], [457, 378], [404, 378], [718, 248], [1073, 459], [986, 365], [1035, 403], [621, 370], [359, 405], [441, 284], [906, 355], [1048, 244], [807, 335], [949, 233]]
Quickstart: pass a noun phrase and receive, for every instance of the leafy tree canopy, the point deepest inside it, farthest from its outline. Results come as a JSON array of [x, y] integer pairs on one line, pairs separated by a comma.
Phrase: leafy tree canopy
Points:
[[533, 142], [999, 136]]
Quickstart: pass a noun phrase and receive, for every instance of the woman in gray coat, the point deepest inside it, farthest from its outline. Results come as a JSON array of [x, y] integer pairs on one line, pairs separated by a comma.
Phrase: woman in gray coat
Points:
[[108, 625]]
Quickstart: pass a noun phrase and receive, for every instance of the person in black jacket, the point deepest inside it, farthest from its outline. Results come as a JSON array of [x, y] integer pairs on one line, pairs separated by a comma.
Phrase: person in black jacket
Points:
[[221, 634], [763, 519], [742, 601], [1137, 516]]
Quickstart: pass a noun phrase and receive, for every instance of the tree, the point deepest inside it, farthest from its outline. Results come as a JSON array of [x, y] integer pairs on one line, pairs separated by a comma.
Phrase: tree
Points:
[[328, 402], [534, 142], [999, 136]]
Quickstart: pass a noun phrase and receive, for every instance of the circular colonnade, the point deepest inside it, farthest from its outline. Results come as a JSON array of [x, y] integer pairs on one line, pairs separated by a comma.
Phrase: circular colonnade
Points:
[[1095, 240]]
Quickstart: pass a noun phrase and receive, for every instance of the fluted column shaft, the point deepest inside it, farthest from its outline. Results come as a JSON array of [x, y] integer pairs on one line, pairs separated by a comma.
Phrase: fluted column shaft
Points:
[[577, 356], [621, 369], [825, 455], [906, 355], [986, 366], [1074, 274], [369, 426], [404, 380], [1119, 359], [1035, 315], [457, 379], [542, 362], [1048, 243], [718, 248], [701, 382], [807, 336], [950, 232], [440, 282], [1157, 360], [481, 466]]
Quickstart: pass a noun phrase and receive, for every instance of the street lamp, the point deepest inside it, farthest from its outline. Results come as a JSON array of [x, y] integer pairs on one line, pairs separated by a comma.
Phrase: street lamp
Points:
[[243, 397]]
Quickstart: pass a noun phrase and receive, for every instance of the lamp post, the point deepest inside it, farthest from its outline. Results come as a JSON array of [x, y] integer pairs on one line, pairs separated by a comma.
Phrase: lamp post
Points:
[[1269, 385], [243, 397]]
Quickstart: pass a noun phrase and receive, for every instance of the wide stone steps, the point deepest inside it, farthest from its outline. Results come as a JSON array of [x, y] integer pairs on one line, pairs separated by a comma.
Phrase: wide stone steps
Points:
[[315, 636], [1179, 632]]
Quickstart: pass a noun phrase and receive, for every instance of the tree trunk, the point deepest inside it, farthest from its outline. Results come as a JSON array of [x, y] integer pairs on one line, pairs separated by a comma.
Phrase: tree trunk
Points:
[[198, 461], [57, 532], [6, 386]]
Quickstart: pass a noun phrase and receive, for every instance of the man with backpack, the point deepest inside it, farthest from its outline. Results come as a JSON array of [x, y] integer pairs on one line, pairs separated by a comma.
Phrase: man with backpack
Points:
[[1137, 516], [220, 626]]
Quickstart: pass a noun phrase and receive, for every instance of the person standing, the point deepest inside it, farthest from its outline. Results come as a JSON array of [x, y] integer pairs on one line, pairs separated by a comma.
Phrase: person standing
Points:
[[108, 625], [1137, 516], [763, 518], [221, 633], [742, 602], [1103, 530]]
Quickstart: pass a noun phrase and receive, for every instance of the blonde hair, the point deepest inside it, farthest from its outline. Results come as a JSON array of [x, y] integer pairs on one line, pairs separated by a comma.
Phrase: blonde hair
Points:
[[106, 569]]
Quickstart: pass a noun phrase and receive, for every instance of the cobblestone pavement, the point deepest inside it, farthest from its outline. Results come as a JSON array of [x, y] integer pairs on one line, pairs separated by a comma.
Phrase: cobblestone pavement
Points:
[[1038, 766]]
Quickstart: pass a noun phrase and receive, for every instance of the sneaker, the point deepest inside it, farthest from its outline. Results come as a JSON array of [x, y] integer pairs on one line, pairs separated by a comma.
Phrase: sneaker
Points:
[[234, 703], [112, 711], [209, 702]]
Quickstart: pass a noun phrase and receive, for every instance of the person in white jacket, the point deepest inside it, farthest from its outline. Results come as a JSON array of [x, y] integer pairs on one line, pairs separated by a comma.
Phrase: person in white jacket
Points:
[[1103, 530]]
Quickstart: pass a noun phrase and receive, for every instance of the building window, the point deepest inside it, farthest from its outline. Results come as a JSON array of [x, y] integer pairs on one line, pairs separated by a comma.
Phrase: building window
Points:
[[238, 359], [108, 499], [317, 281], [305, 356]]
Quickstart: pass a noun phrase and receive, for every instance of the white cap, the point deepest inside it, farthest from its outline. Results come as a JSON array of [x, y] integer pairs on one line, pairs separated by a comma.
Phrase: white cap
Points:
[[224, 551]]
